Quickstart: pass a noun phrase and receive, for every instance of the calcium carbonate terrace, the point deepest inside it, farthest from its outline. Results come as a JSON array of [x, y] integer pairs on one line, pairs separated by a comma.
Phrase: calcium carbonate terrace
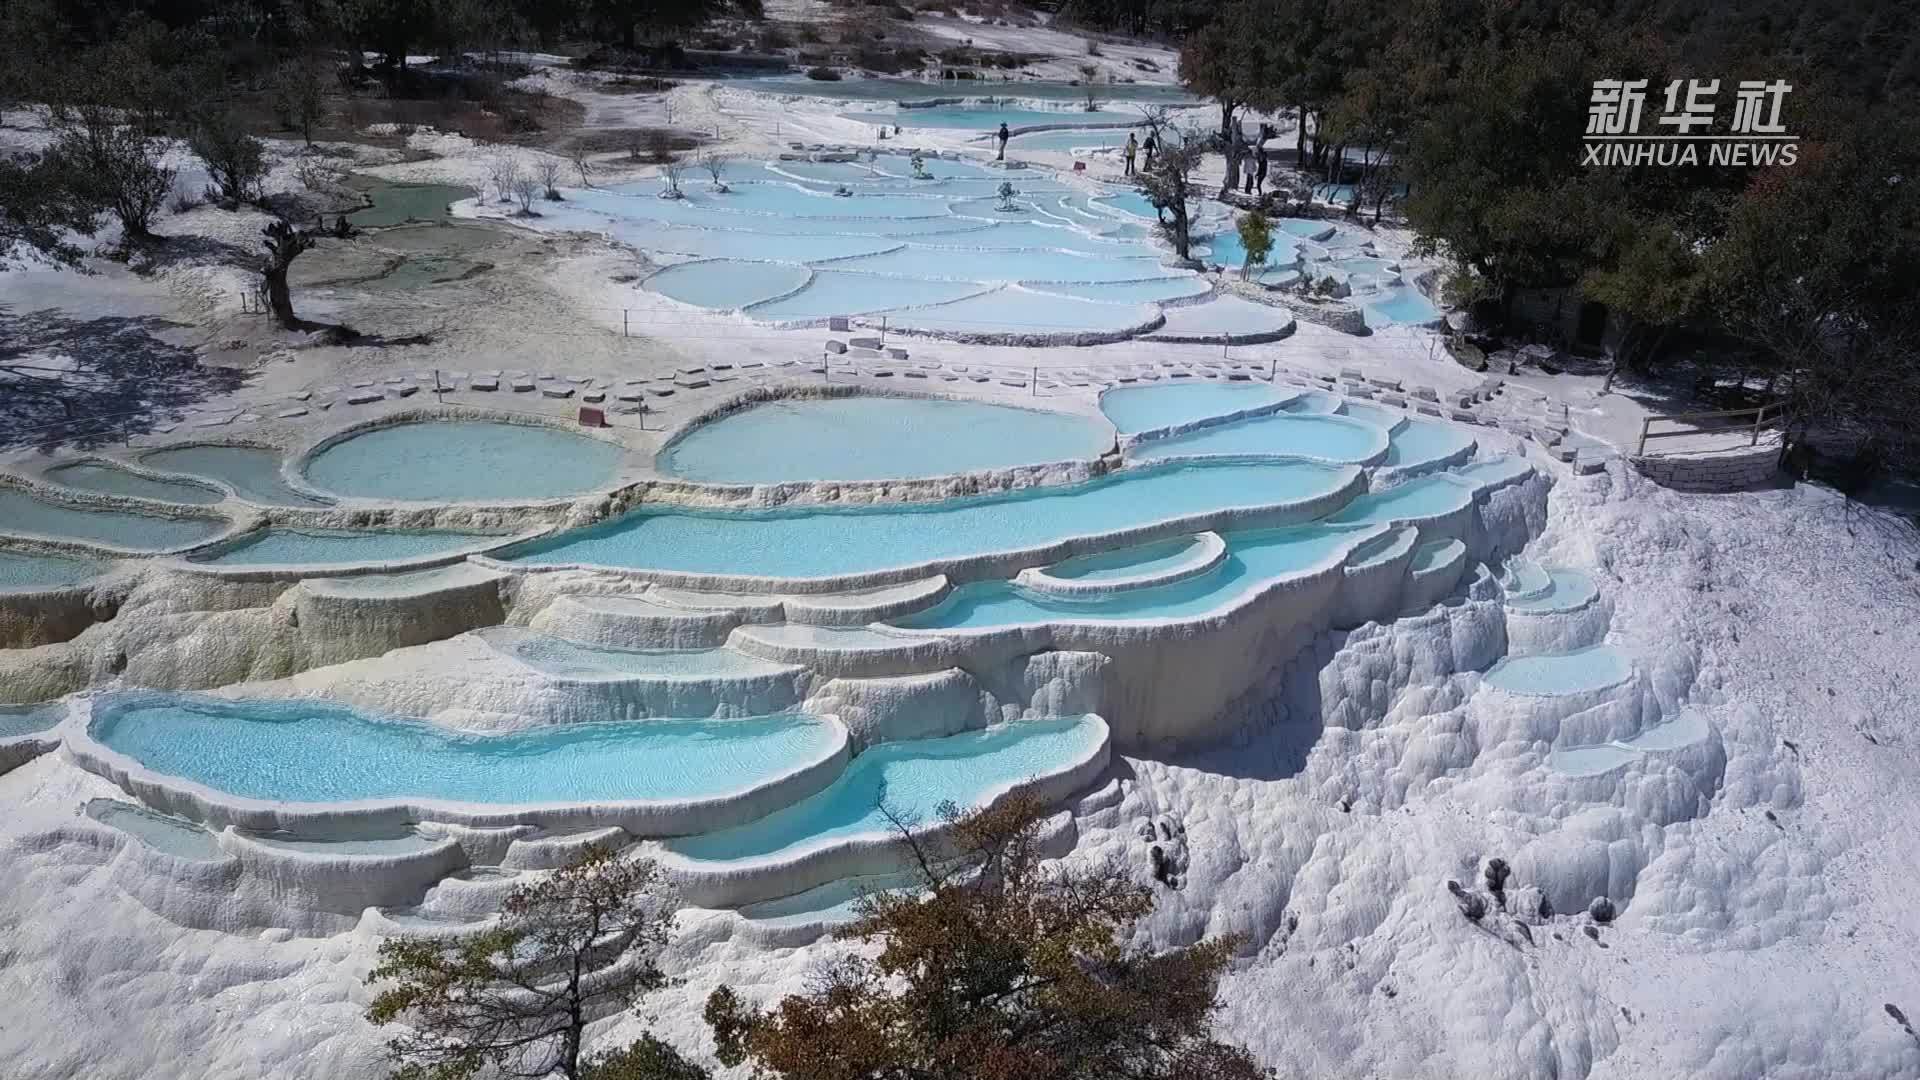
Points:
[[658, 673], [955, 248]]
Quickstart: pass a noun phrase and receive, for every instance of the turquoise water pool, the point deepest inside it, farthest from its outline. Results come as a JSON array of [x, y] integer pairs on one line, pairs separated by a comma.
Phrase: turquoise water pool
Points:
[[309, 751], [885, 89], [570, 659], [726, 284], [253, 473], [911, 779], [24, 515], [1148, 408], [1400, 305], [161, 832], [1330, 438], [876, 438], [1138, 561], [397, 204], [1253, 559], [1060, 141], [1684, 729], [464, 461], [1128, 292], [835, 292], [17, 720], [834, 542], [1425, 497], [1566, 590], [1549, 675], [1013, 309], [338, 547], [1435, 554], [797, 241], [90, 476], [22, 572], [1379, 416], [1422, 442], [988, 118]]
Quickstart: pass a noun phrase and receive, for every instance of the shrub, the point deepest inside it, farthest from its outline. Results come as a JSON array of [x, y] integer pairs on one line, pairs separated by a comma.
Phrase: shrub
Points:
[[235, 160], [823, 74]]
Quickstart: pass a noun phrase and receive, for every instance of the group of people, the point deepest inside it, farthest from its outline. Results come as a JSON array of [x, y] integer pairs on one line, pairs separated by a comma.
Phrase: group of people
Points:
[[1256, 177], [1134, 146]]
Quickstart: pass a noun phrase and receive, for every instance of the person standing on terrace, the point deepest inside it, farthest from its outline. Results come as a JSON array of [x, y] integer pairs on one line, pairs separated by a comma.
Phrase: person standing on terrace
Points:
[[1002, 135], [1133, 147]]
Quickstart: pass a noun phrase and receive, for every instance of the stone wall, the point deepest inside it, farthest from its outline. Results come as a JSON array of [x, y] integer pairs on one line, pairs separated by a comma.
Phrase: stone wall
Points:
[[1732, 471]]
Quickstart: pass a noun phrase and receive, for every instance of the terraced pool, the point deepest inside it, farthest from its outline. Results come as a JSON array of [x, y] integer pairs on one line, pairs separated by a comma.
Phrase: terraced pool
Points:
[[307, 751], [252, 472], [288, 546], [23, 514], [938, 251], [22, 571], [831, 542], [464, 461], [876, 438], [113, 480], [910, 779]]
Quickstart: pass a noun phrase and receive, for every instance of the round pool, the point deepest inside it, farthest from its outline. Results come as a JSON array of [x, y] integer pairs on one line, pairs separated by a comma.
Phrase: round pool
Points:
[[464, 461], [876, 438]]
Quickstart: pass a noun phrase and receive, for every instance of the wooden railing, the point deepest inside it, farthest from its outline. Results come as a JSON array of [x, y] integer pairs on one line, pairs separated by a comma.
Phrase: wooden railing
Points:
[[1763, 416]]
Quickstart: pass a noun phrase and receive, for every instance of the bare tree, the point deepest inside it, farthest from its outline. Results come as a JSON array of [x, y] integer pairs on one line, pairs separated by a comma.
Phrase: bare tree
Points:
[[1088, 87], [716, 165], [1166, 183], [318, 174], [659, 146], [670, 172], [516, 999], [502, 172], [577, 154], [284, 244], [548, 167], [525, 187]]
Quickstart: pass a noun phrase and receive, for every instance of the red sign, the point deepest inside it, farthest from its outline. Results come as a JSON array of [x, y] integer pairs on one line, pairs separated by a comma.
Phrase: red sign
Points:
[[592, 417]]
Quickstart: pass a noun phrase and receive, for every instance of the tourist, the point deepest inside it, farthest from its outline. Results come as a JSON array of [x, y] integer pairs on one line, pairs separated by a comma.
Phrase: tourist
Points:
[[1002, 135], [1133, 147], [1260, 168], [1148, 146]]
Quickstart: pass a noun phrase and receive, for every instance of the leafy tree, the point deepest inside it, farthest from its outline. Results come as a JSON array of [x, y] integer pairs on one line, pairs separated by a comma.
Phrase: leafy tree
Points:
[[1001, 968], [1818, 268], [516, 998], [40, 202], [235, 160], [623, 20], [1230, 60], [1494, 167], [115, 165], [299, 94], [1256, 238]]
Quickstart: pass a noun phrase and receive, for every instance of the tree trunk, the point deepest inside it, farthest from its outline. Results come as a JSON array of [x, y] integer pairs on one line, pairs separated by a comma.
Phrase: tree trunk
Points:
[[279, 298], [1226, 119], [1300, 136]]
